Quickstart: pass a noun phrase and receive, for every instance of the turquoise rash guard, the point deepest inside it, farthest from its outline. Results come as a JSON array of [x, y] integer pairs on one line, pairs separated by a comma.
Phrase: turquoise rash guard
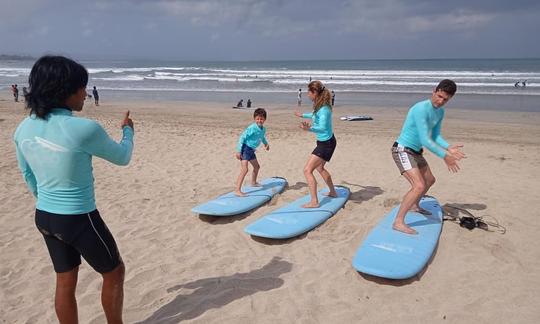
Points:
[[55, 158], [422, 128], [321, 123], [252, 136]]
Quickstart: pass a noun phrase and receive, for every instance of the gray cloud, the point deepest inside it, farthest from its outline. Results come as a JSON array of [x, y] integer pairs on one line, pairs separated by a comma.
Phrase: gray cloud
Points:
[[272, 29]]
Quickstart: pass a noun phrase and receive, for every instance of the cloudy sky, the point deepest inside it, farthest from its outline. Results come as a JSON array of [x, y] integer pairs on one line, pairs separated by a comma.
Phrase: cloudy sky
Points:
[[271, 29]]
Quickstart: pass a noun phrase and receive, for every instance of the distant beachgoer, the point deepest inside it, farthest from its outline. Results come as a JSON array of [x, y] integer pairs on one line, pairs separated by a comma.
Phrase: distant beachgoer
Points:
[[516, 85], [96, 96], [333, 97], [321, 125], [422, 128], [240, 103], [15, 93], [54, 149], [248, 104], [310, 79], [25, 92], [524, 83], [248, 142], [299, 97]]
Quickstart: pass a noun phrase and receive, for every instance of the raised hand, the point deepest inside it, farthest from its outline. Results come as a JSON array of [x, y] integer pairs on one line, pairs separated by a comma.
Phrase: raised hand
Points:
[[127, 121]]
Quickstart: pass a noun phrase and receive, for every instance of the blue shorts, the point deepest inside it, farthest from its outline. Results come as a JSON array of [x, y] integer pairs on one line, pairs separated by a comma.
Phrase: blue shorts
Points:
[[247, 153]]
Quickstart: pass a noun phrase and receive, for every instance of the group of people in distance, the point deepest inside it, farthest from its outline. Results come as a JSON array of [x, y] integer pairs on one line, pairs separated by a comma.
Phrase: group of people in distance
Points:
[[54, 150]]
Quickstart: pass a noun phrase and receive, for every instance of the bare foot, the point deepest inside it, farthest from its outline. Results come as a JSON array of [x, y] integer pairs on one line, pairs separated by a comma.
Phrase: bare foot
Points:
[[256, 184], [404, 229], [311, 205], [332, 194], [239, 193]]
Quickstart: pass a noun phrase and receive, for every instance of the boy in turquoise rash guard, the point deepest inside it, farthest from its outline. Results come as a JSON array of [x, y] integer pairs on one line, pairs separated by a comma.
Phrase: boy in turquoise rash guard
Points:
[[422, 128], [54, 151], [248, 142], [321, 125]]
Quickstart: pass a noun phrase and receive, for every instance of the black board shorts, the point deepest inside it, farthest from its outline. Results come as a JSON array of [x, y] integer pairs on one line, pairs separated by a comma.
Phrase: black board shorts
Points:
[[325, 149], [68, 237]]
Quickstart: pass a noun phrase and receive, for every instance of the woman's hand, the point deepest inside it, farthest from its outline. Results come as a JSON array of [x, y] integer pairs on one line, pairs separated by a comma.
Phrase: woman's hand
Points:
[[305, 125]]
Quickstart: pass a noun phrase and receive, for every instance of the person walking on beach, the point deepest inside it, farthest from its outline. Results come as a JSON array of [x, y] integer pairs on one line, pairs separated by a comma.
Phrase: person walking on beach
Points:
[[299, 99], [15, 93], [422, 128], [54, 150], [24, 92], [96, 96], [248, 142], [333, 98], [326, 141]]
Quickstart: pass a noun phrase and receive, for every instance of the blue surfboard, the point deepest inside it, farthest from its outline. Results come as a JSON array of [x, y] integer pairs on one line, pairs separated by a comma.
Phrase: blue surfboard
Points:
[[229, 204], [391, 254], [293, 220]]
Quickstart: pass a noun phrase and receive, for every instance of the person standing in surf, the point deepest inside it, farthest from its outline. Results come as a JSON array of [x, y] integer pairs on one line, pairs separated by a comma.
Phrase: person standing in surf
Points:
[[248, 142], [321, 125], [422, 128], [54, 150]]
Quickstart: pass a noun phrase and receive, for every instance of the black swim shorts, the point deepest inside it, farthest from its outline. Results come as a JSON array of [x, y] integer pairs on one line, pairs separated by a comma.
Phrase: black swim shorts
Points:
[[325, 149], [70, 236]]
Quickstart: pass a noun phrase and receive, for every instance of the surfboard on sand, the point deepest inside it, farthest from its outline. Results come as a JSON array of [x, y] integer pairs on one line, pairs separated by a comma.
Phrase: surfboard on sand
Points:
[[293, 220], [229, 204], [391, 254], [355, 118]]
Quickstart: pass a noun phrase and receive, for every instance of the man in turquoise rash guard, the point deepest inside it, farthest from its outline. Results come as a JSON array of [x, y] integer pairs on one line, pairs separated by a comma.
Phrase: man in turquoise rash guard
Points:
[[321, 125], [54, 151], [422, 128]]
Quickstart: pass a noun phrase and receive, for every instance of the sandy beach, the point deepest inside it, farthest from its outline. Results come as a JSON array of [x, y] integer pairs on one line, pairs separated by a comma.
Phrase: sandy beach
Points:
[[185, 267]]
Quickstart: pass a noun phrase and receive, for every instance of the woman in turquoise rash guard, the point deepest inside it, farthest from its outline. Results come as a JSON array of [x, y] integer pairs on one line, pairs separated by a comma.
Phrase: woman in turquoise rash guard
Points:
[[321, 125], [54, 151]]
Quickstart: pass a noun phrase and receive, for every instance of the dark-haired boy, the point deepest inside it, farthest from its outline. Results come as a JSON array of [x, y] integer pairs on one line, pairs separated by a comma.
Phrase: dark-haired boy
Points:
[[422, 128], [250, 139]]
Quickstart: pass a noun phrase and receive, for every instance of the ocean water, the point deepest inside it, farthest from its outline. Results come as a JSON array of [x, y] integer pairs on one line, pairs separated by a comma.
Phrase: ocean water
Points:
[[482, 83]]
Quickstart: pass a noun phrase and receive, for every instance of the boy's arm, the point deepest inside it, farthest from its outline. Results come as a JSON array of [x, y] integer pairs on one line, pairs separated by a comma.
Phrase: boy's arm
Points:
[[264, 140], [242, 139], [307, 115]]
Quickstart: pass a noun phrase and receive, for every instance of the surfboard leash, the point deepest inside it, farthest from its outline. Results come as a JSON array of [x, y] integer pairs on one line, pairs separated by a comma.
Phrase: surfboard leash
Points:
[[471, 221]]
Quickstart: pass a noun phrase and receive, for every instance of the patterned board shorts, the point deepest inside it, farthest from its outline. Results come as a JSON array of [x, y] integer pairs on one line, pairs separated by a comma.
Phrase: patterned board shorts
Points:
[[407, 158]]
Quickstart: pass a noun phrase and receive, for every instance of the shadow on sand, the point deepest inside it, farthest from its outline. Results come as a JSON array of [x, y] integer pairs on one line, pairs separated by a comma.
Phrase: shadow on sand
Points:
[[216, 292]]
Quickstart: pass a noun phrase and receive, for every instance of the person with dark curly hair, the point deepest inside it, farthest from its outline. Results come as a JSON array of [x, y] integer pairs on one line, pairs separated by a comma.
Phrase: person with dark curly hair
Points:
[[54, 151]]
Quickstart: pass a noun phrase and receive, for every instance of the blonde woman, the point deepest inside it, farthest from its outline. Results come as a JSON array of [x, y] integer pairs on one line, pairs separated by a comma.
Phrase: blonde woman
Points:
[[321, 125]]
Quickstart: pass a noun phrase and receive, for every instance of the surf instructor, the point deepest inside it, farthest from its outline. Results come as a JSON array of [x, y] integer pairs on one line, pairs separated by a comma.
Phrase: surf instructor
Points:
[[422, 128], [54, 150]]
